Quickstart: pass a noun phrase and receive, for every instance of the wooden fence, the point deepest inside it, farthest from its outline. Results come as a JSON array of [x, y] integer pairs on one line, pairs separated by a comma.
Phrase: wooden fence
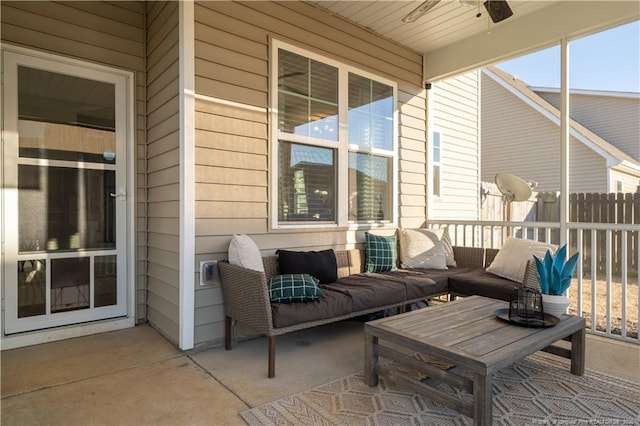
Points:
[[583, 208], [608, 208]]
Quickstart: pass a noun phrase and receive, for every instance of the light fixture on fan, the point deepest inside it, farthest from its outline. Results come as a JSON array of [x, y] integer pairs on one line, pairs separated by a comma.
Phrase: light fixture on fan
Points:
[[472, 3]]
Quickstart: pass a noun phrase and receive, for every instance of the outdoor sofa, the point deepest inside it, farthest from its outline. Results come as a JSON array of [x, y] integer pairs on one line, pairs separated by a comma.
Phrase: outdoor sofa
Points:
[[353, 294]]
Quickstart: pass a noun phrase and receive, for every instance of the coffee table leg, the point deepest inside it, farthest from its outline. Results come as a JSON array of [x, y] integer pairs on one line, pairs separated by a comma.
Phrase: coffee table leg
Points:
[[482, 400], [370, 360], [578, 349]]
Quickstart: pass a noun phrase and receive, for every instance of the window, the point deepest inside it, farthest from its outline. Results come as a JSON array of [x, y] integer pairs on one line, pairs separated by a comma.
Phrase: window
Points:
[[335, 140], [618, 186], [436, 163]]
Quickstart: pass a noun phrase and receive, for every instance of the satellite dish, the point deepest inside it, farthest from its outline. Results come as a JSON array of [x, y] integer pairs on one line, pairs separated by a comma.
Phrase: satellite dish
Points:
[[512, 187]]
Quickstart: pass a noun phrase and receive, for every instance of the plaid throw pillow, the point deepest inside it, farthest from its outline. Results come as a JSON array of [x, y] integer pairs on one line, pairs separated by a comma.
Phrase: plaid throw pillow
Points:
[[382, 253], [294, 288]]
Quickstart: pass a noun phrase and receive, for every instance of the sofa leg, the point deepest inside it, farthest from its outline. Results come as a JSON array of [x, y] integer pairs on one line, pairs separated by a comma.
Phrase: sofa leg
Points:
[[272, 357], [228, 333], [402, 309]]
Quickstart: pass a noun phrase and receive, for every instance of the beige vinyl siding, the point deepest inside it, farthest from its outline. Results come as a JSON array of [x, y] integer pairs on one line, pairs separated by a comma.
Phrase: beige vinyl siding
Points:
[[163, 140], [587, 170], [616, 119], [519, 140], [111, 34], [455, 114], [232, 145], [630, 180]]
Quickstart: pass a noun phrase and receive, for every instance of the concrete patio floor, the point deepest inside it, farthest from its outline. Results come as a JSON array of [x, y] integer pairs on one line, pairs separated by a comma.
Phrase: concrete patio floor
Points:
[[136, 377]]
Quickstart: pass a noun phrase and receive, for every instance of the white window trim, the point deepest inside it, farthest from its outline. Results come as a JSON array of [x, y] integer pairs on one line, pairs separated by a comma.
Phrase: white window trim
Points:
[[342, 146]]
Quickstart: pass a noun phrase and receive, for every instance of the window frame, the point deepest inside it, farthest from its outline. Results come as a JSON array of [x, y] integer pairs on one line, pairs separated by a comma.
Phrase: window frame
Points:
[[341, 146]]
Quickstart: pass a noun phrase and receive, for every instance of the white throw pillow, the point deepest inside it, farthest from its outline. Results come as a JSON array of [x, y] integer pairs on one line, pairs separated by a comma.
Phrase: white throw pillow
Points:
[[511, 260], [244, 252], [422, 248], [448, 248]]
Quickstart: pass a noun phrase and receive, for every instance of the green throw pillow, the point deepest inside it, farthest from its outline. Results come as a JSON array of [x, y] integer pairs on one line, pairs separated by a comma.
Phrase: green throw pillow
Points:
[[294, 288], [382, 253]]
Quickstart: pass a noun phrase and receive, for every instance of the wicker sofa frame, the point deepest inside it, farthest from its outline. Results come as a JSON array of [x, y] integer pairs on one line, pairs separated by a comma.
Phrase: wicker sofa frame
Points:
[[246, 295]]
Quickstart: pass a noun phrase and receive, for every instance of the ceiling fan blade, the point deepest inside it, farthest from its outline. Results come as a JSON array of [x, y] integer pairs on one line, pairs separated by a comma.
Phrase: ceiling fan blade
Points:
[[499, 10], [420, 10]]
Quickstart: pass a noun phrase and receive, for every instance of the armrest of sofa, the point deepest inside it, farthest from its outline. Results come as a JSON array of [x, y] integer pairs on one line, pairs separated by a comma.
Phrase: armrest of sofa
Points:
[[470, 257], [246, 297]]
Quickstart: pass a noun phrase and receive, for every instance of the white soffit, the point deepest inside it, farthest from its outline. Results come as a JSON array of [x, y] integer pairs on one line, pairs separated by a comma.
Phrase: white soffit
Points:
[[516, 36], [447, 22]]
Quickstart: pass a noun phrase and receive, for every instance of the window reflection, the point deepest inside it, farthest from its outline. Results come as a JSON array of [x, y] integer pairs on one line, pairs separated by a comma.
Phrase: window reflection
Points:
[[306, 183], [370, 187], [32, 282], [64, 208], [370, 113], [70, 284], [105, 275], [307, 97], [64, 117]]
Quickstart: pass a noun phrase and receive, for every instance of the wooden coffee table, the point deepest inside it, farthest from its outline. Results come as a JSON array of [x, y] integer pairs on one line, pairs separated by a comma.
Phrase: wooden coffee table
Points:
[[467, 334]]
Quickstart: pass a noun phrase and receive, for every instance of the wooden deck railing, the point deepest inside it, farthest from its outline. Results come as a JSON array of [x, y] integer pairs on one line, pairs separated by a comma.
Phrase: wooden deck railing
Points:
[[605, 287]]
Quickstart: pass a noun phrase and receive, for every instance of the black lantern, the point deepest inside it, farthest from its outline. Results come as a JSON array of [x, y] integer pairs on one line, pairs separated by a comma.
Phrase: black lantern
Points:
[[525, 307]]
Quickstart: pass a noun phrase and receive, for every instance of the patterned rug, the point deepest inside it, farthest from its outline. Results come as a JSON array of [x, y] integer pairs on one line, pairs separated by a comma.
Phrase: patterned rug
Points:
[[538, 390]]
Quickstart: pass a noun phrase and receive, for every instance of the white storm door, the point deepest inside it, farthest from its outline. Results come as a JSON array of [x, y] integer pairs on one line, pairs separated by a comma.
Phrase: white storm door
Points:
[[65, 192]]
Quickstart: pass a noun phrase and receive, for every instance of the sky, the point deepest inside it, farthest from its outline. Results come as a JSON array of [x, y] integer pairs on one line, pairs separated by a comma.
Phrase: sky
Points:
[[609, 60]]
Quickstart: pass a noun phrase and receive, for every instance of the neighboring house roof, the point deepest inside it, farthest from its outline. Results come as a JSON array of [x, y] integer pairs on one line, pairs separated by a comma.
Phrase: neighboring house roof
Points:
[[607, 93], [613, 155]]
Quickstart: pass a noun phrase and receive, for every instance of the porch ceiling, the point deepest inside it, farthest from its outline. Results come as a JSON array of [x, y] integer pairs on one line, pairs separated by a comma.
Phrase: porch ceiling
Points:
[[453, 40], [448, 22]]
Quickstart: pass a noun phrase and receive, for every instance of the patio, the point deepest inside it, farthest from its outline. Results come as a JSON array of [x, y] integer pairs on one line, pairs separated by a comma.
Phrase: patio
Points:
[[135, 376], [199, 81]]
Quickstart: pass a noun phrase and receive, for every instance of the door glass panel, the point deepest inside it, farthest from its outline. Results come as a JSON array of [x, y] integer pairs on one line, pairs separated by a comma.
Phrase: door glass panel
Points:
[[63, 208], [105, 274], [63, 117], [32, 284], [70, 281]]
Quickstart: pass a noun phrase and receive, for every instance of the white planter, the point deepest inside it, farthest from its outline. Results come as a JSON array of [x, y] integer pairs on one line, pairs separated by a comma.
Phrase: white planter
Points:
[[555, 305]]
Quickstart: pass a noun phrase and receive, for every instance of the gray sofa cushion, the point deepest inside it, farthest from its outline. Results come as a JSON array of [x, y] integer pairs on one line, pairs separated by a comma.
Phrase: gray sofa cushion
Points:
[[368, 292], [418, 283], [482, 283], [333, 304]]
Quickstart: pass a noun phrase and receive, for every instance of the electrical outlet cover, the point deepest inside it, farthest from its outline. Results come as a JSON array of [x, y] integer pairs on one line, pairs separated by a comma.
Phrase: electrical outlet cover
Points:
[[209, 273]]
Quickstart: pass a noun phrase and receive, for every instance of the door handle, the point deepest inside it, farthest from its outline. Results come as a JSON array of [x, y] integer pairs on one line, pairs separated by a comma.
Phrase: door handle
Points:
[[121, 193]]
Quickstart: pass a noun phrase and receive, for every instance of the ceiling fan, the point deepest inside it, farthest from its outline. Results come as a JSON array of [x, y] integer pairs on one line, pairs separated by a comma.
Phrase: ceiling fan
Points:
[[498, 10]]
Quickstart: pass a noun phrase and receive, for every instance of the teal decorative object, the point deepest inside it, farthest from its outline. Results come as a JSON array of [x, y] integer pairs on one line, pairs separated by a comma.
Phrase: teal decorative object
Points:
[[554, 274]]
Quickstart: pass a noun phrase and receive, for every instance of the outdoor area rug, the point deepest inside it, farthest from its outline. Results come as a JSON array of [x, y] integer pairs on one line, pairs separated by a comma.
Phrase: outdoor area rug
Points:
[[535, 391]]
